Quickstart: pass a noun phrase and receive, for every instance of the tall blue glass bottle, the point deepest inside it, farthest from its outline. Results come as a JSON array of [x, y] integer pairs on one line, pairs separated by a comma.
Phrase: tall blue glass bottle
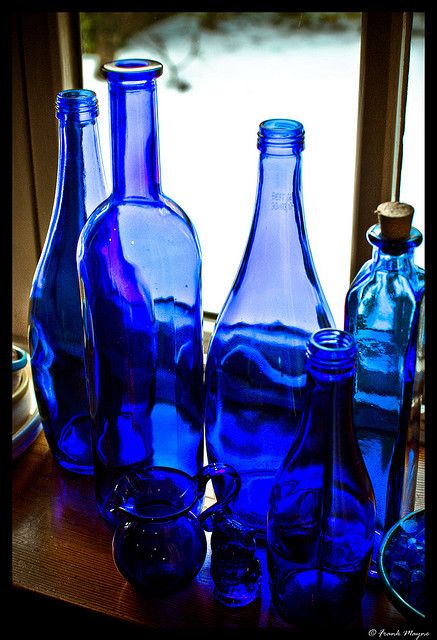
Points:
[[382, 310], [55, 322], [255, 371], [139, 265], [321, 514]]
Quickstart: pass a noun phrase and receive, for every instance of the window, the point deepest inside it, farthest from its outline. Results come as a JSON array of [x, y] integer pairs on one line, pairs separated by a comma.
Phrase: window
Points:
[[47, 59], [223, 75]]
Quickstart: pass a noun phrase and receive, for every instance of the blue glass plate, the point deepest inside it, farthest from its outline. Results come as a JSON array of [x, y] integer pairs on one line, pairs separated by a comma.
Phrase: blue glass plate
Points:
[[401, 565]]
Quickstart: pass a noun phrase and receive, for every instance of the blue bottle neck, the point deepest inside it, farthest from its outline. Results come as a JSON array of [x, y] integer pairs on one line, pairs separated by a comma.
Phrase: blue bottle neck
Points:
[[396, 256], [393, 252], [279, 186], [277, 278], [329, 415], [331, 355], [278, 236], [330, 362], [80, 175], [279, 206], [135, 141]]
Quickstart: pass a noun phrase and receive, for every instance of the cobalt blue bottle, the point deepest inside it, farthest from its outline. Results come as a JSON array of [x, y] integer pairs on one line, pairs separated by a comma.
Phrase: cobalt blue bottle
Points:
[[139, 265], [382, 310], [255, 371], [321, 513], [55, 322]]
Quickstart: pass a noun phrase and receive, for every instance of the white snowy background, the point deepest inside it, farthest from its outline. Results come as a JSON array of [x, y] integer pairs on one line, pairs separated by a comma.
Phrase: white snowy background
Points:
[[246, 73]]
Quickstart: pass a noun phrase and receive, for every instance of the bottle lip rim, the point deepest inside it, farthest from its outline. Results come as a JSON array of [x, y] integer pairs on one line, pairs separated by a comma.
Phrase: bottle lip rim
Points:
[[77, 102], [281, 132], [281, 127], [151, 472], [331, 349], [375, 237], [132, 69]]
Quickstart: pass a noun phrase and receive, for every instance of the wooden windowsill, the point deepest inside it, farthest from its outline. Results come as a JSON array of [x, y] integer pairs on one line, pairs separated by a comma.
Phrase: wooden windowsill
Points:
[[61, 554]]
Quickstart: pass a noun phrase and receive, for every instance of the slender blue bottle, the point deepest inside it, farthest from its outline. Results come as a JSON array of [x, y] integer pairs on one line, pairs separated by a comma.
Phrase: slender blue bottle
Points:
[[382, 310], [321, 515], [255, 371], [55, 322], [139, 265]]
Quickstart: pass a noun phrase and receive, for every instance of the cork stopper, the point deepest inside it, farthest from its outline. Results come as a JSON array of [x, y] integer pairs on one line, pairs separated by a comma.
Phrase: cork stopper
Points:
[[395, 220]]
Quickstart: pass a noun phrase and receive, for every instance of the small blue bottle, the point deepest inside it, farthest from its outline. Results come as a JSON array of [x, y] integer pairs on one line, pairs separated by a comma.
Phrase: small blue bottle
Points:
[[55, 322], [383, 310], [321, 515], [139, 265], [235, 569], [255, 370]]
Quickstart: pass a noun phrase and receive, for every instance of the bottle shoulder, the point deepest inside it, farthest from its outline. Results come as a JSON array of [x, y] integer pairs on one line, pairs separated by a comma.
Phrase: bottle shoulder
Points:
[[374, 281], [385, 302], [145, 220], [56, 265], [277, 304]]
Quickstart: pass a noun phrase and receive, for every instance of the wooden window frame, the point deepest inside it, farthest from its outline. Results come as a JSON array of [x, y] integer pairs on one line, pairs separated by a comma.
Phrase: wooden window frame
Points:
[[384, 67]]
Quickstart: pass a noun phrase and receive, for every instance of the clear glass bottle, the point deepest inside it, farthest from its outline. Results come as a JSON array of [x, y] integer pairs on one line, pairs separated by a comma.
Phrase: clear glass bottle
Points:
[[139, 265], [55, 322], [321, 515], [382, 310], [255, 371]]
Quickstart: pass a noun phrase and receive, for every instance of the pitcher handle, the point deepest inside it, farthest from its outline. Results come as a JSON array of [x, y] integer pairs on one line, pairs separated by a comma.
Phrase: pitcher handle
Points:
[[211, 471]]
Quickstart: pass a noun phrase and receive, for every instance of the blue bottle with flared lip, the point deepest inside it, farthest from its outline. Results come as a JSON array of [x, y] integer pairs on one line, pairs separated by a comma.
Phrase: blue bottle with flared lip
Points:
[[55, 322], [255, 370], [321, 513], [139, 263]]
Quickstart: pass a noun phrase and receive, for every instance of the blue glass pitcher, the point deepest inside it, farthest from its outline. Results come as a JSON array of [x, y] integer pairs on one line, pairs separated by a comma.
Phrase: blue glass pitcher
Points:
[[159, 545]]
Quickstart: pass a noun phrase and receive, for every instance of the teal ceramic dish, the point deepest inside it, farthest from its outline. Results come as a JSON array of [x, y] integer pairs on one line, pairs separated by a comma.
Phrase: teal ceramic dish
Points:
[[401, 565], [19, 363], [26, 423], [19, 358]]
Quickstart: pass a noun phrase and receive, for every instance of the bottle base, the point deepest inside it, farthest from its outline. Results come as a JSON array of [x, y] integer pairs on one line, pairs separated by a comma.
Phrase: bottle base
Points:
[[236, 601], [316, 597], [72, 447], [85, 470]]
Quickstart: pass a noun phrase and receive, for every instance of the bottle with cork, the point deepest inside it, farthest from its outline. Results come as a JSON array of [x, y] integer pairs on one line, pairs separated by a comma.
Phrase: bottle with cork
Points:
[[384, 310]]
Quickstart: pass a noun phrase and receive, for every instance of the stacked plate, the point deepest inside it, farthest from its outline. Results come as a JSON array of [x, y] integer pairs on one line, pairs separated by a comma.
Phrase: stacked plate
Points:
[[26, 423]]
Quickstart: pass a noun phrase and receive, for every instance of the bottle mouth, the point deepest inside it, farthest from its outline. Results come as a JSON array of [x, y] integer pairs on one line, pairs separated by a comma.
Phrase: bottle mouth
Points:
[[81, 104], [332, 351], [394, 247], [157, 494], [281, 133], [132, 70]]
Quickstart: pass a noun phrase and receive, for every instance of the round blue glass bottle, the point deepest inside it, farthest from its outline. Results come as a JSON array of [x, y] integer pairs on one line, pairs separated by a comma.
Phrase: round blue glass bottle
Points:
[[139, 264], [383, 310], [255, 371], [322, 510], [55, 322]]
